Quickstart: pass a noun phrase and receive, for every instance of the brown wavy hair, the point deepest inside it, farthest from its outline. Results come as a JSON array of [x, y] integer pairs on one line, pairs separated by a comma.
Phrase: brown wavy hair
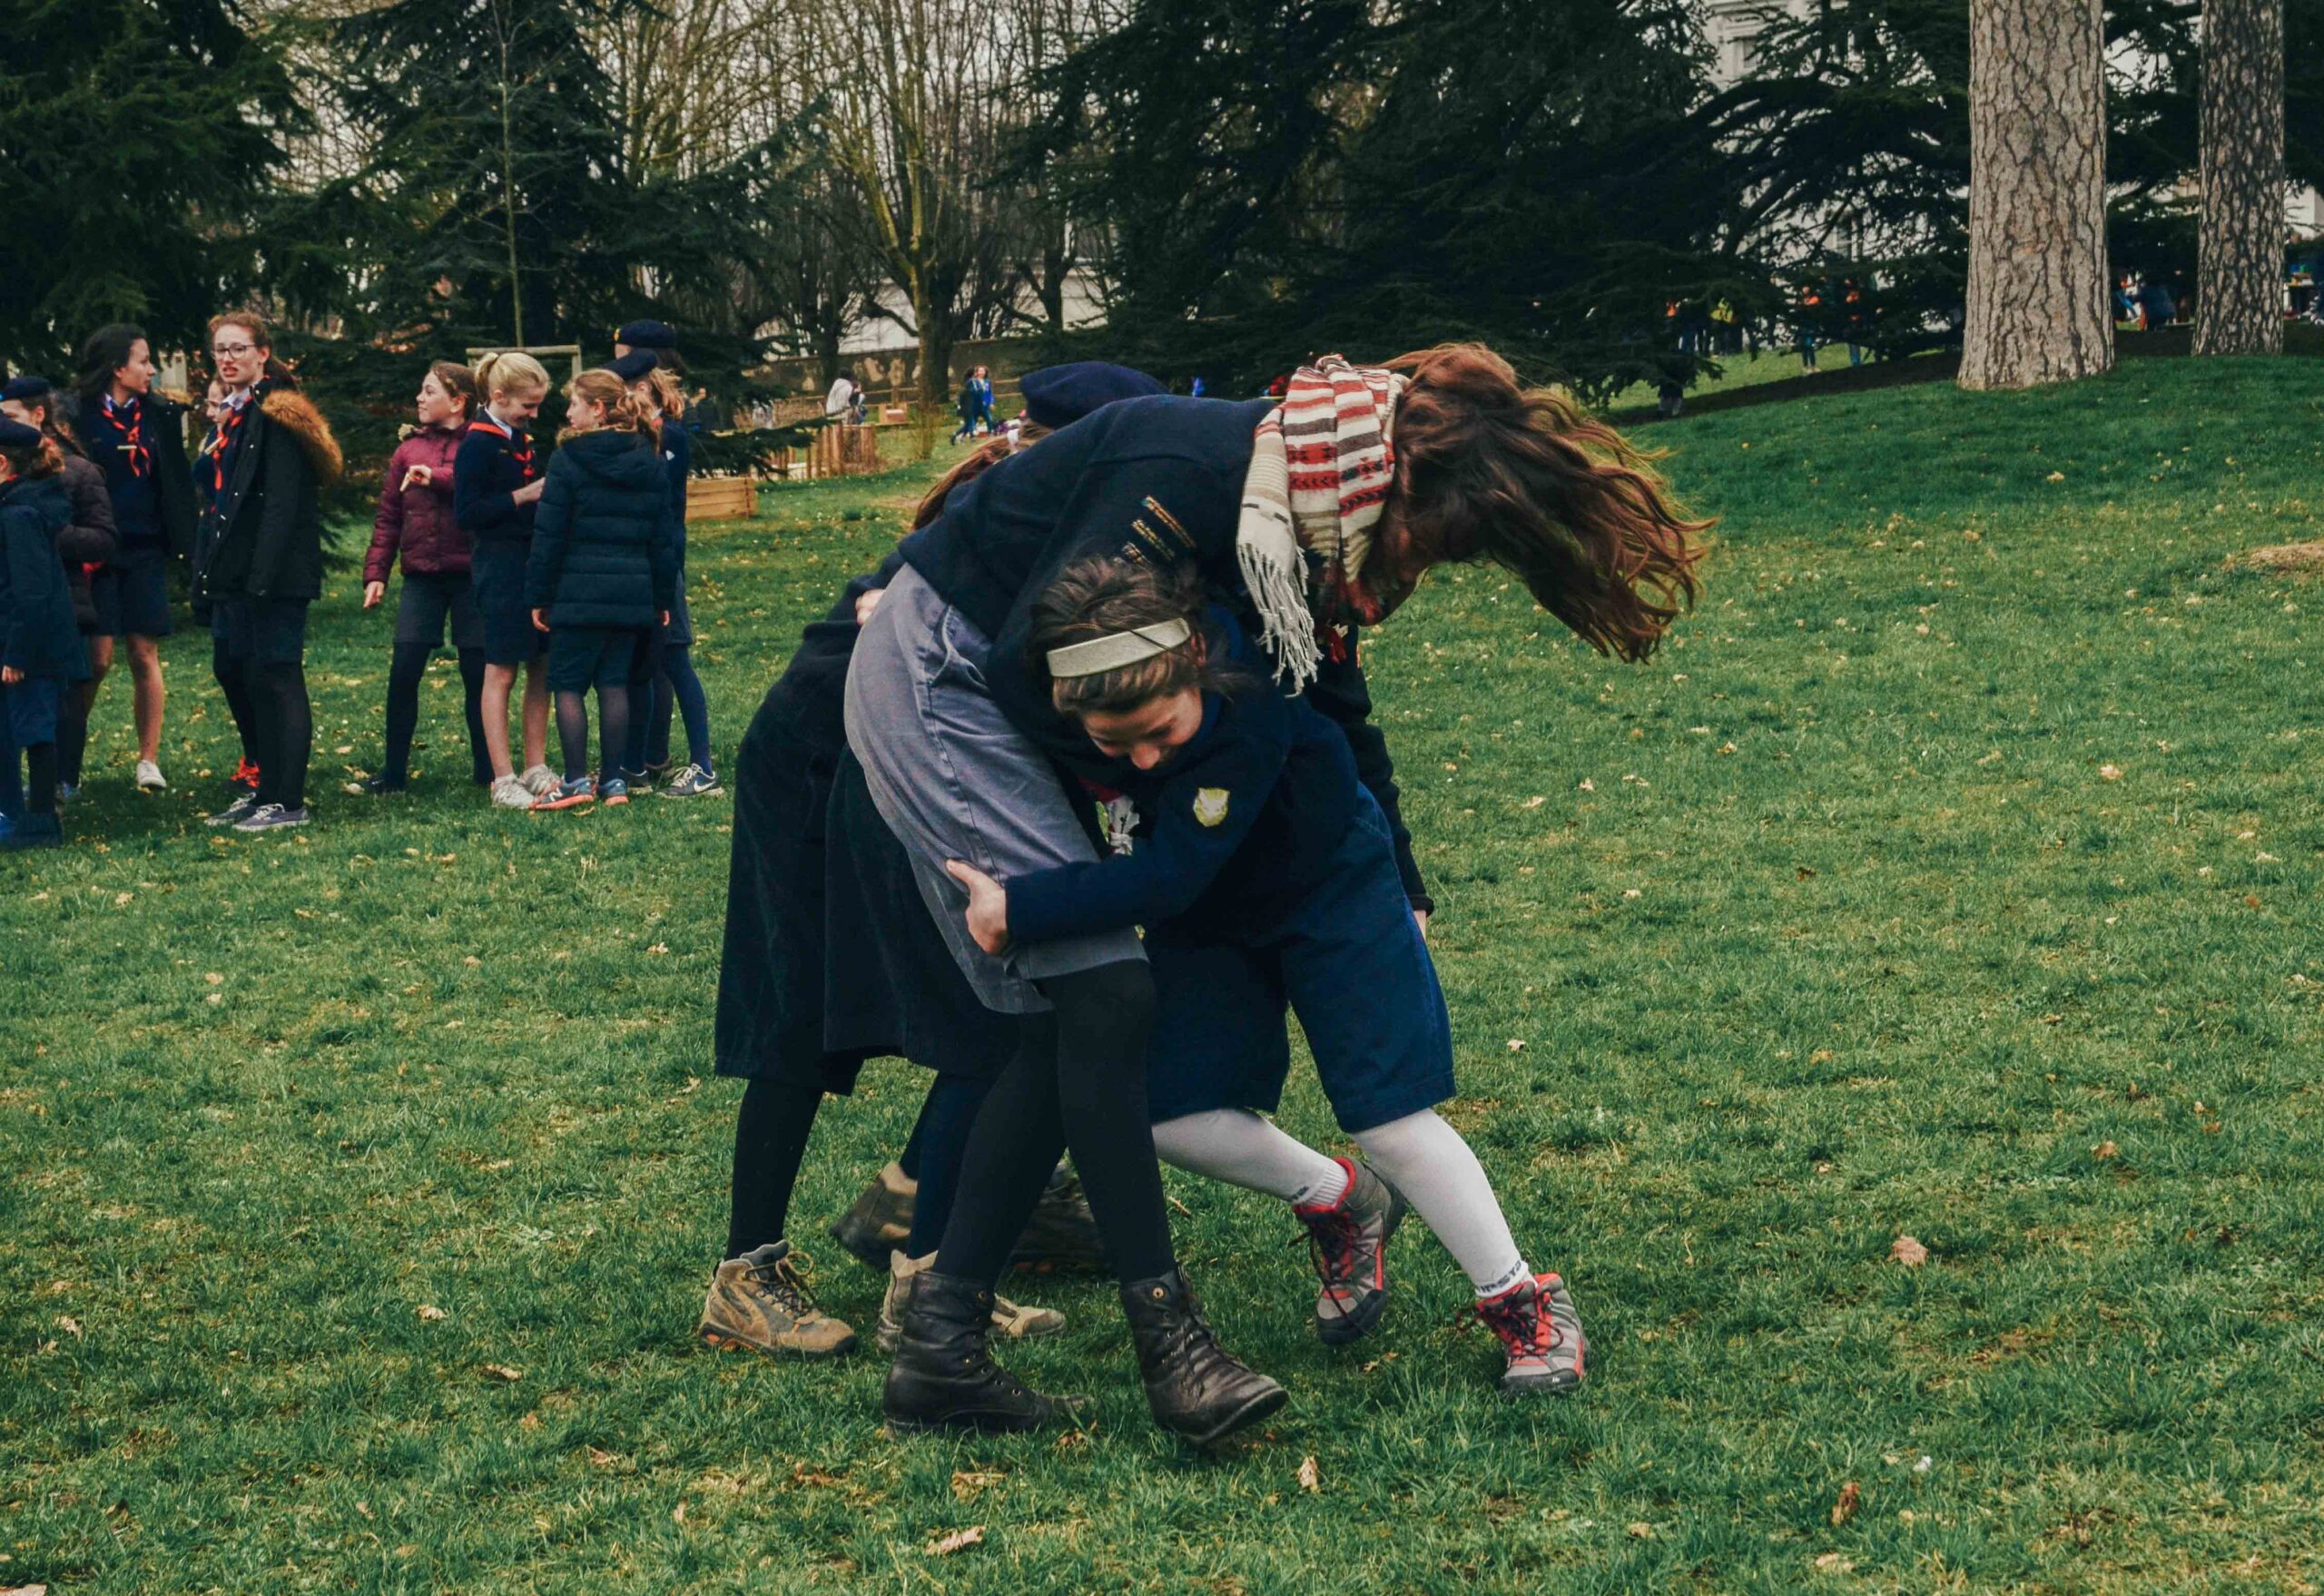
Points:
[[1489, 469], [625, 412], [1096, 599], [459, 381], [973, 465], [34, 461]]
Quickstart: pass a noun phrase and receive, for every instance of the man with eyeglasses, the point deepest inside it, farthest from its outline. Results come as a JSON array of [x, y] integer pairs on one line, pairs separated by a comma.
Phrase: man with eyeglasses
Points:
[[259, 563]]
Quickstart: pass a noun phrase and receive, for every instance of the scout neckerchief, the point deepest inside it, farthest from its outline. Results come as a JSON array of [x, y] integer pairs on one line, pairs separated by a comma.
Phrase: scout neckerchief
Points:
[[520, 445], [128, 418], [220, 441], [1321, 465]]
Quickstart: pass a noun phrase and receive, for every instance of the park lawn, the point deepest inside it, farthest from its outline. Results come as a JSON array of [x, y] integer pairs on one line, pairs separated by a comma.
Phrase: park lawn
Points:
[[1952, 874]]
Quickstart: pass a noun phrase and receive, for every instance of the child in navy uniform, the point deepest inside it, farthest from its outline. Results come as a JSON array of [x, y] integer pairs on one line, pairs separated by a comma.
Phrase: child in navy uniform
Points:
[[87, 541], [41, 655], [496, 491], [654, 378], [1265, 878], [602, 569]]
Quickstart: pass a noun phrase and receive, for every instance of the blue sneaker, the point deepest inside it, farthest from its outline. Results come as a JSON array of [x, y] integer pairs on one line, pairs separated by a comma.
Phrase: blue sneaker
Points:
[[569, 795], [690, 782], [34, 831], [271, 817], [613, 790], [67, 790]]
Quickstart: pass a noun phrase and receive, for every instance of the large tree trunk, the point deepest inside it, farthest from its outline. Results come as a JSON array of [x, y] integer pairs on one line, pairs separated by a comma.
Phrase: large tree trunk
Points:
[[2038, 308], [2240, 282]]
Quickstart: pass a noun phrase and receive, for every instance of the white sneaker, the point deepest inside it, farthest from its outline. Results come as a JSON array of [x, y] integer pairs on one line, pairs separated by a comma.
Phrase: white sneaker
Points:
[[149, 778], [510, 793], [539, 780]]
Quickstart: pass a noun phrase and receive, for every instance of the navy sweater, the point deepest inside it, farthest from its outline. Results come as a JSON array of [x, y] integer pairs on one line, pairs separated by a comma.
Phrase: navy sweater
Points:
[[1158, 480], [1233, 830], [37, 635], [486, 473], [604, 549]]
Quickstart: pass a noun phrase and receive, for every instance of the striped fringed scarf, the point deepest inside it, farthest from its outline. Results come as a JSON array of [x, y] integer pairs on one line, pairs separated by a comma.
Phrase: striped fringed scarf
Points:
[[1320, 465]]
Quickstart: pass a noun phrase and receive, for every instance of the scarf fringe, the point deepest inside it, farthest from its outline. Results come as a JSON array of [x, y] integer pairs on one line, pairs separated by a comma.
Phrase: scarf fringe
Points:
[[1276, 580]]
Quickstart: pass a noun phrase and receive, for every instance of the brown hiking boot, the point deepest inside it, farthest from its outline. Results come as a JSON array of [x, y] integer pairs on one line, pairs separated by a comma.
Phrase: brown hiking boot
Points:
[[879, 1221], [758, 1301], [1015, 1320], [1061, 1234]]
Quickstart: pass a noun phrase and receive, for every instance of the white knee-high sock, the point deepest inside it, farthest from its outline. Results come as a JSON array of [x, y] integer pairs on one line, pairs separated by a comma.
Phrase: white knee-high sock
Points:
[[1238, 1147], [1425, 1158]]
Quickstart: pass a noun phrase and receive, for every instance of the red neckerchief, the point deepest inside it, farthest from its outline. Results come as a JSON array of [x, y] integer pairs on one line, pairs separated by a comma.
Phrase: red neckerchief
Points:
[[221, 439], [520, 445], [130, 420]]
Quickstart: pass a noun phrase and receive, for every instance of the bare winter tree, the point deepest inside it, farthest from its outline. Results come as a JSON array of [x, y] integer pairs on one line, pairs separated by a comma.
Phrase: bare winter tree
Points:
[[2037, 307], [2239, 275]]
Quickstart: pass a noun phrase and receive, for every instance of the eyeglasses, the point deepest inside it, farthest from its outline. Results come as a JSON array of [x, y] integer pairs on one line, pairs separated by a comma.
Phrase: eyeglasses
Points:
[[232, 351]]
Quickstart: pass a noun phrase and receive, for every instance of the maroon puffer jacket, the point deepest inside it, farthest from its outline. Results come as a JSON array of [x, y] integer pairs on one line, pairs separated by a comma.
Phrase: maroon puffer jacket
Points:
[[418, 524]]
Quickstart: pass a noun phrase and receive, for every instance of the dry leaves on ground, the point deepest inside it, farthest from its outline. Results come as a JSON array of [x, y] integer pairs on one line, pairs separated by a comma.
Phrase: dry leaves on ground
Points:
[[503, 1371], [1309, 1478], [1909, 1251], [1842, 1510], [958, 1540]]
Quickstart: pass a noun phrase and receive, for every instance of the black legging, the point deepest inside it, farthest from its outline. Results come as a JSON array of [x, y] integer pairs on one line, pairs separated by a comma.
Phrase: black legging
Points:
[[1078, 1081], [72, 732], [233, 681], [771, 1135], [407, 668], [284, 724], [572, 729]]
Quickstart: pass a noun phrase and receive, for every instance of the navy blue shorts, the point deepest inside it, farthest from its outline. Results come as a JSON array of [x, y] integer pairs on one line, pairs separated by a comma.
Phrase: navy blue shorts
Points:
[[430, 599], [1348, 960], [31, 708], [133, 599], [496, 576], [582, 657], [260, 631]]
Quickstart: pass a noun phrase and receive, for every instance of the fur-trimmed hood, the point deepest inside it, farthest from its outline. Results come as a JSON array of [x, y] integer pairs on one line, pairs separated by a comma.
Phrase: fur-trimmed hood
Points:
[[296, 414]]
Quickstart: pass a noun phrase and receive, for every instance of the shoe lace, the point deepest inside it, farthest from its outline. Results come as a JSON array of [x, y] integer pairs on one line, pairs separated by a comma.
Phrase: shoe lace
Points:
[[1332, 1241], [781, 1280], [1523, 1321]]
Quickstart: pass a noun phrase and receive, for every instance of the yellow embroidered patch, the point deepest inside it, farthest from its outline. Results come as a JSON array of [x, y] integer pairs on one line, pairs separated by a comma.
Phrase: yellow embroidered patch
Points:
[[1210, 805]]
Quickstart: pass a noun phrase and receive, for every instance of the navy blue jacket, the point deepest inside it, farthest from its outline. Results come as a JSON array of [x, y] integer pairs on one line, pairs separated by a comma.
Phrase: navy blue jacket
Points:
[[1158, 480], [1233, 830], [677, 459], [155, 509], [604, 545], [37, 636], [486, 473]]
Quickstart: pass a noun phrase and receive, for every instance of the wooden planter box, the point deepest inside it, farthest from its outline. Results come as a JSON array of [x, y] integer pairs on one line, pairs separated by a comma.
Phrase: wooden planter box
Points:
[[720, 499], [844, 451]]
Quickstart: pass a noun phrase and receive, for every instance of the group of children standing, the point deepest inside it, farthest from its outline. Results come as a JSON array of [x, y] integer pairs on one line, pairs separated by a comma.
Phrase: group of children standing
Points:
[[571, 571]]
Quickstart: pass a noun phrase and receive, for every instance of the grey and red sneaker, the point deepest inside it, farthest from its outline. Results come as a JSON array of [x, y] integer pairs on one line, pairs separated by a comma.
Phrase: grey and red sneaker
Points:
[[1542, 1336], [1348, 1240]]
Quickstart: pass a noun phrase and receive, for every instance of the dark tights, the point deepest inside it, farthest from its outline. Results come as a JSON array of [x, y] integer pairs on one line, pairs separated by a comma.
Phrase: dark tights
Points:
[[676, 687], [233, 680], [40, 778], [770, 1137], [285, 730], [407, 668], [1078, 1081], [573, 728], [71, 733]]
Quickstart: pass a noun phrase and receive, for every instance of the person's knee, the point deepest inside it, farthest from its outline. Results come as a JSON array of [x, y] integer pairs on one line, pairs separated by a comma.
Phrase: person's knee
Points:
[[1116, 998]]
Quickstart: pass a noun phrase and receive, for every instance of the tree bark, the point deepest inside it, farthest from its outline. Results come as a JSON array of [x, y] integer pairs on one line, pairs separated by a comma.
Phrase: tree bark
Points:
[[2037, 309], [2239, 278]]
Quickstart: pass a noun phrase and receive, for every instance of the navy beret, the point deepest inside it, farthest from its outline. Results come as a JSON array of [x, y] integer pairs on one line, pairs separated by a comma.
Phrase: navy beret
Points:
[[31, 389], [17, 435], [647, 335], [1059, 395], [634, 365]]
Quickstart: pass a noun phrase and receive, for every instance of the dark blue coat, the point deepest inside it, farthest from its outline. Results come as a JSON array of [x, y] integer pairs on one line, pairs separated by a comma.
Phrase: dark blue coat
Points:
[[486, 471], [1233, 830], [37, 636], [153, 508], [677, 459], [1160, 480], [604, 544]]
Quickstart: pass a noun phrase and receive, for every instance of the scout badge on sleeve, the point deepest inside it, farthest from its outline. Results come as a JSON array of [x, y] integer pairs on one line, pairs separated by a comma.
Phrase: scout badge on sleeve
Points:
[[1210, 805]]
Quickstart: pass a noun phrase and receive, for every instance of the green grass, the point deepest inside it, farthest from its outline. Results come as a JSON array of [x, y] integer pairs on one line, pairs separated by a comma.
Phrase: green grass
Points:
[[1827, 927]]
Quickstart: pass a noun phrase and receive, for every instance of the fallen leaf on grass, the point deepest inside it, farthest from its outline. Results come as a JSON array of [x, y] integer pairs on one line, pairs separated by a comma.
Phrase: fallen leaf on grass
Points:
[[1832, 1562], [1642, 1531], [1909, 1251], [431, 1312], [25, 1590], [68, 1323], [1844, 1509], [957, 1541], [1517, 1044], [1309, 1480], [678, 1514], [1532, 804], [503, 1371], [2105, 1150], [2110, 772], [599, 1457], [968, 1484]]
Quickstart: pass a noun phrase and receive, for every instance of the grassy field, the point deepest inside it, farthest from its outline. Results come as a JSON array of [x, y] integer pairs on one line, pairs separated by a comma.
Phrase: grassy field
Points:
[[1953, 875]]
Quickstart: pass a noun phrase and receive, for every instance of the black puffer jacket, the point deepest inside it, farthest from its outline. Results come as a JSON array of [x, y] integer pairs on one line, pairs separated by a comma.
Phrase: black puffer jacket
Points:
[[89, 538], [604, 544], [263, 538]]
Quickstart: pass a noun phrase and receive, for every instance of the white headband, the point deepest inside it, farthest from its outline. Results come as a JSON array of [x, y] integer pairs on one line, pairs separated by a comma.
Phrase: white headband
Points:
[[1117, 649]]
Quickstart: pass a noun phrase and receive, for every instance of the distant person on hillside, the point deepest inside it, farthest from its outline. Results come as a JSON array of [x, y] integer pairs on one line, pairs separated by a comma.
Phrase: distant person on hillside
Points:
[[497, 489], [676, 687], [1857, 317], [1811, 313], [41, 655], [844, 402], [2157, 308], [88, 540]]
